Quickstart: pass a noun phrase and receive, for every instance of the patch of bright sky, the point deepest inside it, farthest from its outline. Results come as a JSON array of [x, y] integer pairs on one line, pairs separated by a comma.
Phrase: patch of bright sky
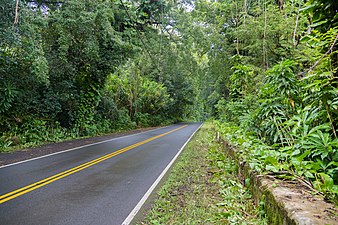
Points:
[[188, 6]]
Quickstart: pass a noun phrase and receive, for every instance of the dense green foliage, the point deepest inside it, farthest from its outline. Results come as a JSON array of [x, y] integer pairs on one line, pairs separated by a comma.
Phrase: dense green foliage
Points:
[[265, 68], [274, 66], [79, 68]]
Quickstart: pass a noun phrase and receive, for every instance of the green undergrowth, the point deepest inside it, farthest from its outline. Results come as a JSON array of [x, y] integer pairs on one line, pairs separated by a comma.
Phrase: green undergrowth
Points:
[[290, 162], [203, 188], [36, 136], [38, 132]]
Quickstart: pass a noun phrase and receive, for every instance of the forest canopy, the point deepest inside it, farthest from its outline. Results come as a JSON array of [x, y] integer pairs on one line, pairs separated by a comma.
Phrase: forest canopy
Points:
[[87, 67]]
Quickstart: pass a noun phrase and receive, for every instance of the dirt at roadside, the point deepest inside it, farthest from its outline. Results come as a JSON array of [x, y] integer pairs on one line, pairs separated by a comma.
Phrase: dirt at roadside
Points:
[[29, 153]]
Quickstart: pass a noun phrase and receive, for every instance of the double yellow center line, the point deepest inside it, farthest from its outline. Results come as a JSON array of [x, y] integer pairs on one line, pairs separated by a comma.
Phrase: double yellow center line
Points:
[[48, 180]]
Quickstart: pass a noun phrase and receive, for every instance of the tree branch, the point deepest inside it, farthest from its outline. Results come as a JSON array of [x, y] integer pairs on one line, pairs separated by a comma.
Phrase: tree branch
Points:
[[321, 58]]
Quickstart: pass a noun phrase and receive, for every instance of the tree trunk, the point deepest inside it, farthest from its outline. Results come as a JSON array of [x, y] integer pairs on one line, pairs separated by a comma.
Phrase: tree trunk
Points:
[[237, 24], [295, 42], [265, 66], [16, 19]]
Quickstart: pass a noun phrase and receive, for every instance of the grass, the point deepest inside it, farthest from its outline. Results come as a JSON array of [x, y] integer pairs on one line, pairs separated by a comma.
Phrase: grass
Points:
[[38, 138], [203, 188]]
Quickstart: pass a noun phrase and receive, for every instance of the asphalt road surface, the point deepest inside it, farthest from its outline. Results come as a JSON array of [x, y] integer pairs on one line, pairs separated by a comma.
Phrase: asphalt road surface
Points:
[[97, 184]]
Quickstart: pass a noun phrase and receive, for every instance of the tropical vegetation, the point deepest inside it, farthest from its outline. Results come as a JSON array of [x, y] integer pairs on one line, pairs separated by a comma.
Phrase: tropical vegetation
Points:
[[266, 70]]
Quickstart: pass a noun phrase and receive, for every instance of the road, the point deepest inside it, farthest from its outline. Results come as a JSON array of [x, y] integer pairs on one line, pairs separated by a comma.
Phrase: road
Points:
[[97, 184]]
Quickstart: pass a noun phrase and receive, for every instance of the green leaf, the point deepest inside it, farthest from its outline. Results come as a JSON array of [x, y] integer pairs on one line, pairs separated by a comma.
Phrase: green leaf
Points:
[[308, 174], [326, 180], [319, 23], [271, 168], [334, 189], [271, 160], [308, 7]]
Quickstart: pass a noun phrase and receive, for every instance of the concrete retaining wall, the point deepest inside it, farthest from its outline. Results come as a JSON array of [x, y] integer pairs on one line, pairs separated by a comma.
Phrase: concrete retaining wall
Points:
[[285, 202]]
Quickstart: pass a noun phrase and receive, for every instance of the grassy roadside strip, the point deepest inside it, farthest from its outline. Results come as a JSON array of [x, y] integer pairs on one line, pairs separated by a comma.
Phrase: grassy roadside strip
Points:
[[203, 188], [56, 136]]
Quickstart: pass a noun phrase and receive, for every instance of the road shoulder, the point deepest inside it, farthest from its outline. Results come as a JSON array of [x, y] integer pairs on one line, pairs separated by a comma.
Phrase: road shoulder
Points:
[[202, 188]]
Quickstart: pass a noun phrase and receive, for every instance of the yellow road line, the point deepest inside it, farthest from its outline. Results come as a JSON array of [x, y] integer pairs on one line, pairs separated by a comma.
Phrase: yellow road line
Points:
[[21, 191]]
